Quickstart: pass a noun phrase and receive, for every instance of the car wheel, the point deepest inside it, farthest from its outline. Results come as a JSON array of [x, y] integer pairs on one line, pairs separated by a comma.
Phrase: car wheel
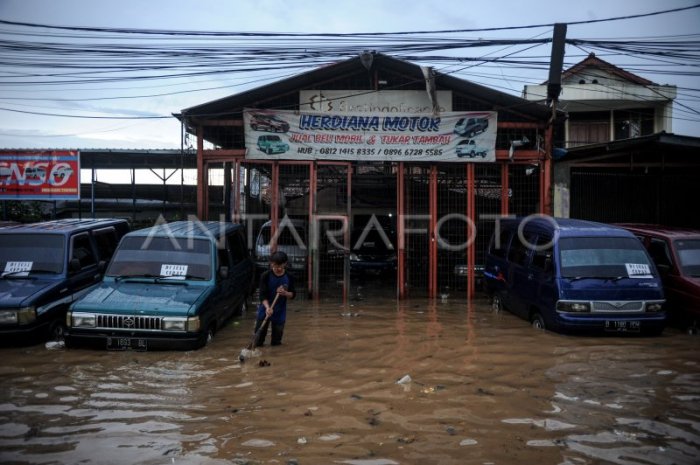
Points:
[[496, 303], [472, 154], [268, 151], [537, 322], [207, 336], [57, 330], [471, 134]]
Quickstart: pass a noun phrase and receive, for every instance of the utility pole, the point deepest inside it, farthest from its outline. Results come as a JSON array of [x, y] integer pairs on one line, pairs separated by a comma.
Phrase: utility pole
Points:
[[555, 67]]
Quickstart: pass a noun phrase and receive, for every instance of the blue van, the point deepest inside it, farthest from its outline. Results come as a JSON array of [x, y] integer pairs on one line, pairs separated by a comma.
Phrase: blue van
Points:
[[170, 286], [571, 275], [46, 266]]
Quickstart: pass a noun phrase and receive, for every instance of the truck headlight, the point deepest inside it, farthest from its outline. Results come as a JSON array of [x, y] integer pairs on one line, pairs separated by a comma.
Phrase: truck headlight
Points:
[[174, 324], [26, 315], [573, 307], [8, 317], [82, 320]]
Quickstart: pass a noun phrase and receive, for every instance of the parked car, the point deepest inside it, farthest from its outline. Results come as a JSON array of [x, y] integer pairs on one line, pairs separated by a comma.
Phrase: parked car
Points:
[[46, 266], [470, 127], [291, 239], [574, 275], [272, 144], [269, 123], [170, 286], [676, 254], [373, 246], [469, 148]]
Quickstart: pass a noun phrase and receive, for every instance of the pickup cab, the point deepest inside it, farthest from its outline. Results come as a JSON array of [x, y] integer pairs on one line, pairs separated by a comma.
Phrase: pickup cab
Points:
[[170, 286], [46, 266]]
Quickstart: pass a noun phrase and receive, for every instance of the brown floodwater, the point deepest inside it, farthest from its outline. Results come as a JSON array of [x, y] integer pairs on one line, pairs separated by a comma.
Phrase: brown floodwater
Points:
[[475, 388]]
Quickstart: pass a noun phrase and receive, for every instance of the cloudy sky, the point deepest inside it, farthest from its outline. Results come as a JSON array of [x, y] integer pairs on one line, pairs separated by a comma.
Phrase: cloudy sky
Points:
[[54, 106]]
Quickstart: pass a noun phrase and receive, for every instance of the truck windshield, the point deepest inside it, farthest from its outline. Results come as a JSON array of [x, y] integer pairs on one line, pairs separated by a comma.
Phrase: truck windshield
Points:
[[603, 257], [24, 254], [140, 256], [689, 256]]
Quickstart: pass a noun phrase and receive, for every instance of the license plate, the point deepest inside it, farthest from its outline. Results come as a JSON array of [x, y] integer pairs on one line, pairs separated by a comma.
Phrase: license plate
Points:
[[126, 343], [623, 326]]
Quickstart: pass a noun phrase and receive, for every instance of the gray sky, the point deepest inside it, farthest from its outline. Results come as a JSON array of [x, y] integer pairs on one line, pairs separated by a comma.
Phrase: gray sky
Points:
[[23, 130]]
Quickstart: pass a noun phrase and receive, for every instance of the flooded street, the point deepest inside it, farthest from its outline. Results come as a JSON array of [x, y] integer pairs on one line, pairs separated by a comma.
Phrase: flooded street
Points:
[[476, 388]]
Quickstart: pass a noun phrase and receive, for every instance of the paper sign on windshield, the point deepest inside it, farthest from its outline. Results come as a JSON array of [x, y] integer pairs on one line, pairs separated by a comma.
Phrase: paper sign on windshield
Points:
[[638, 270], [177, 271], [18, 268]]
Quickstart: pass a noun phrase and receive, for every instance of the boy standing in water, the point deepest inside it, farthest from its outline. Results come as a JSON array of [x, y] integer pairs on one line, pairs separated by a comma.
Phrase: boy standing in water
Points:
[[274, 281]]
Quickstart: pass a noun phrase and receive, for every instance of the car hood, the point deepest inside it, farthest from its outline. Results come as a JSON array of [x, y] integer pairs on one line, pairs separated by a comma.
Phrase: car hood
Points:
[[623, 289], [138, 298], [22, 292]]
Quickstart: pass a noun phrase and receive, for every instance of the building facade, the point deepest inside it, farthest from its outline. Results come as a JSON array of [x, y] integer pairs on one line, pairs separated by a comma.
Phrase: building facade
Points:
[[374, 150]]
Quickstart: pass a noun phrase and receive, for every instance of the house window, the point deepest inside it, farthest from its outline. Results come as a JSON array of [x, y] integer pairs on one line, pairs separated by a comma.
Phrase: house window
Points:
[[633, 123], [589, 128]]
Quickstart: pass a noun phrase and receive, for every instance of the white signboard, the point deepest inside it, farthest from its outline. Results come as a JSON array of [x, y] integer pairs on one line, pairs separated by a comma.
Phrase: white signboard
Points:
[[17, 268], [383, 101], [370, 136], [176, 271], [638, 270]]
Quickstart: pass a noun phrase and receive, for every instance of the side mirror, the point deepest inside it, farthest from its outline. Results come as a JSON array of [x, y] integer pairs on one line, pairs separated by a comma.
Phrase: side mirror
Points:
[[102, 266], [75, 265], [223, 272]]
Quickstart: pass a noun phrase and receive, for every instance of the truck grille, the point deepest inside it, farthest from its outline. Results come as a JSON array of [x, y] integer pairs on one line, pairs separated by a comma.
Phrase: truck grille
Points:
[[624, 306], [129, 322]]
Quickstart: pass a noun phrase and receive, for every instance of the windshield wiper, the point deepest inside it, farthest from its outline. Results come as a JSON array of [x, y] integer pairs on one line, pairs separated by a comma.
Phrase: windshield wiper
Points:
[[143, 275], [16, 275], [604, 278]]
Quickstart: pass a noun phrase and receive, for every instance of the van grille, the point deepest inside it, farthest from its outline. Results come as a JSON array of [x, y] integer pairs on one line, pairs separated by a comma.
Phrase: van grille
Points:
[[129, 322], [624, 306]]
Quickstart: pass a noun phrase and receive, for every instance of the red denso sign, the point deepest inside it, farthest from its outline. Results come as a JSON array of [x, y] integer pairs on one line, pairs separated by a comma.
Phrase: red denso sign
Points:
[[40, 175]]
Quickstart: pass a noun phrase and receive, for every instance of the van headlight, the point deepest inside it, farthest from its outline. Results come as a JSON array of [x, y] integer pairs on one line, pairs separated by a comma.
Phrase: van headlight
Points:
[[82, 320], [654, 307], [573, 307], [8, 317]]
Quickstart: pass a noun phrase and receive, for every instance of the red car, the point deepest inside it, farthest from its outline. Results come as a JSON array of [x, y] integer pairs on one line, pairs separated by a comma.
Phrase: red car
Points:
[[676, 253]]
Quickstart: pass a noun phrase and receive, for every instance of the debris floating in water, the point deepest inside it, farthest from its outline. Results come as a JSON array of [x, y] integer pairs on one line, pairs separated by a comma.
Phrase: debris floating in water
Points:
[[405, 380]]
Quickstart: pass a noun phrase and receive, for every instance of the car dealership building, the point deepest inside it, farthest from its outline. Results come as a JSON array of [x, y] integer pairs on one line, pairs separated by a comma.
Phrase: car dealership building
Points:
[[398, 171]]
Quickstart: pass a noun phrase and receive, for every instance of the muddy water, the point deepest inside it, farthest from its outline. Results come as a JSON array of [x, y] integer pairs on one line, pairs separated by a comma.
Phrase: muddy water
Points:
[[484, 389]]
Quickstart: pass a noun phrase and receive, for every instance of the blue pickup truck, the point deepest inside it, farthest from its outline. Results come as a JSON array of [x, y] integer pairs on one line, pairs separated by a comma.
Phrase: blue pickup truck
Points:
[[170, 286]]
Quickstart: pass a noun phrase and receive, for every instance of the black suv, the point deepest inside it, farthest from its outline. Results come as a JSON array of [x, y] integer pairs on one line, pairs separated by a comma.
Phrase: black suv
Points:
[[268, 123], [46, 266]]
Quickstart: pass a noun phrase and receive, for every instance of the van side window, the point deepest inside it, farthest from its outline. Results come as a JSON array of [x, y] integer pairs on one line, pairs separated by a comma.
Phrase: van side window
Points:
[[106, 241], [502, 244], [542, 257], [519, 251], [82, 250]]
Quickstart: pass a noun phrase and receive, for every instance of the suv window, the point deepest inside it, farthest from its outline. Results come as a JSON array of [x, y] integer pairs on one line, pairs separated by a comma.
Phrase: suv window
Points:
[[41, 252], [82, 250], [239, 252], [658, 249], [106, 241]]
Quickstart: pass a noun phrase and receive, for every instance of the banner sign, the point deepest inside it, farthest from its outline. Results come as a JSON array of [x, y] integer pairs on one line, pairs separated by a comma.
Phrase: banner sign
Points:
[[40, 175], [368, 136]]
